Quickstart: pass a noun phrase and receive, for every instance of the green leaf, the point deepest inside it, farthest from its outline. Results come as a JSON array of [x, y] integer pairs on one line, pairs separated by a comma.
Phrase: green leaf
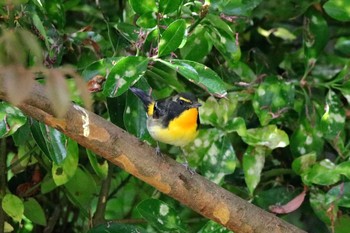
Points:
[[273, 97], [52, 142], [340, 195], [212, 226], [218, 113], [320, 206], [322, 173], [34, 212], [196, 48], [81, 188], [141, 7], [223, 38], [344, 169], [338, 9], [147, 20], [101, 169], [40, 27], [47, 184], [13, 207], [241, 8], [128, 31], [116, 227], [199, 74], [172, 37], [304, 162], [333, 120], [100, 67], [269, 136], [306, 138], [253, 163], [63, 172], [135, 118], [315, 34], [11, 119], [169, 6], [214, 153], [160, 215], [124, 74], [245, 73], [342, 46]]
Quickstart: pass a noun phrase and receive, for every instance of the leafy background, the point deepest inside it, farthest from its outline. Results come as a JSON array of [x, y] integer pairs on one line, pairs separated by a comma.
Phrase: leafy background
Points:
[[273, 78]]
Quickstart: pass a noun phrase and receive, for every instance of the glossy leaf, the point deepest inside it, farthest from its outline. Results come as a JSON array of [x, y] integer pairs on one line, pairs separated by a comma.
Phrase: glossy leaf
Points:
[[116, 227], [306, 139], [34, 212], [124, 74], [141, 7], [169, 6], [199, 74], [340, 195], [63, 172], [128, 31], [147, 20], [322, 173], [253, 163], [214, 153], [172, 37], [342, 46], [196, 48], [52, 142], [269, 136], [135, 116], [223, 38], [101, 67], [212, 226], [272, 98], [11, 119], [160, 215], [320, 206], [315, 34], [241, 8], [101, 169], [304, 162], [338, 9], [13, 207], [333, 120]]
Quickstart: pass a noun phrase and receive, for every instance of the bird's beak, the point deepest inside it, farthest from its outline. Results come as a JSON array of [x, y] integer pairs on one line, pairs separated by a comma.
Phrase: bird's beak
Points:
[[196, 105]]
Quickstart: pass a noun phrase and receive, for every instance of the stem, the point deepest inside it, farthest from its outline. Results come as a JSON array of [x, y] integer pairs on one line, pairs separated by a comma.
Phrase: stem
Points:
[[99, 216]]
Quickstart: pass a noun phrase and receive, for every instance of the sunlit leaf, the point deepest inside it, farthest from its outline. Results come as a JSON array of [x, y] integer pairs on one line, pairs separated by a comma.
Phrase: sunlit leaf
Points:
[[169, 6], [13, 207], [101, 169], [160, 215], [11, 119], [199, 74], [272, 98], [269, 136], [212, 226], [63, 172], [304, 162], [141, 7], [172, 37], [126, 72], [253, 163], [333, 120], [322, 173], [338, 9]]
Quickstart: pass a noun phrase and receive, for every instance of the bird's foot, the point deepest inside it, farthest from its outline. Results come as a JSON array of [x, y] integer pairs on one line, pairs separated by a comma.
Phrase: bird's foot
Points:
[[188, 168]]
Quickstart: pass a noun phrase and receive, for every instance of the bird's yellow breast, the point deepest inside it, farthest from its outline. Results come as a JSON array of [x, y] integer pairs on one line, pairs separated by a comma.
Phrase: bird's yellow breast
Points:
[[180, 131]]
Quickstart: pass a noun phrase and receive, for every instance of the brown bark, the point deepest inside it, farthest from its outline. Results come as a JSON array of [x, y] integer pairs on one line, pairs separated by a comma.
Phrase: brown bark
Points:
[[165, 174]]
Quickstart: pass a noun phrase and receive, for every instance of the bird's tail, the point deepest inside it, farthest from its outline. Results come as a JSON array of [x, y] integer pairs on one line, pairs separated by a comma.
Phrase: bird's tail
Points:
[[146, 99]]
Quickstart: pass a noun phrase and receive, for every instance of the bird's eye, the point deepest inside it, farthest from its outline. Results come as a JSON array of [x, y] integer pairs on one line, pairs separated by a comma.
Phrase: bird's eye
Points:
[[181, 102]]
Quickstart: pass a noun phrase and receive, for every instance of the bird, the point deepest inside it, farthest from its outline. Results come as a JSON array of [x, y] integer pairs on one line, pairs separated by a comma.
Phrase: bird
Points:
[[173, 120]]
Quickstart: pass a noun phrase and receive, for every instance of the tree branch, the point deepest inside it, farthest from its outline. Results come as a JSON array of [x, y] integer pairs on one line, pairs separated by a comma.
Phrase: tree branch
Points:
[[165, 174]]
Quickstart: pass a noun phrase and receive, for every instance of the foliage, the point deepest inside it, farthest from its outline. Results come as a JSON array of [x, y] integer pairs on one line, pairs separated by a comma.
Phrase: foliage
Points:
[[272, 77]]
